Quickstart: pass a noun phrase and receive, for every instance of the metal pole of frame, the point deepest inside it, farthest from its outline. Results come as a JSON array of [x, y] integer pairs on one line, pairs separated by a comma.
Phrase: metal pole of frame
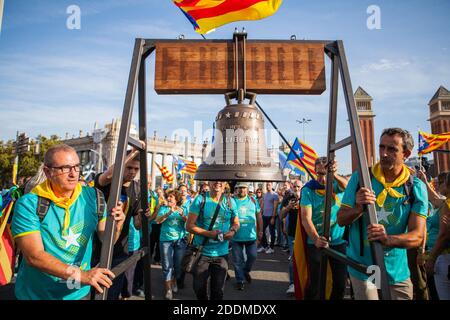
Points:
[[330, 155], [364, 177], [143, 178], [108, 237]]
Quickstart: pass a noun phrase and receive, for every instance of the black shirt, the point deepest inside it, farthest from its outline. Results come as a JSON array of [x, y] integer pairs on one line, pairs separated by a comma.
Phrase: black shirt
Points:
[[292, 214], [132, 194]]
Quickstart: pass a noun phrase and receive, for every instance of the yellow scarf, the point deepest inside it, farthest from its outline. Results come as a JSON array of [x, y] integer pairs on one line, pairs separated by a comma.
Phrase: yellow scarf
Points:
[[389, 187], [448, 203], [44, 190]]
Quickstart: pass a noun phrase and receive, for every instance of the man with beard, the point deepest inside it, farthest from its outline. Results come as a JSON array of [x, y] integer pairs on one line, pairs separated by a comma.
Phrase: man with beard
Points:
[[401, 203]]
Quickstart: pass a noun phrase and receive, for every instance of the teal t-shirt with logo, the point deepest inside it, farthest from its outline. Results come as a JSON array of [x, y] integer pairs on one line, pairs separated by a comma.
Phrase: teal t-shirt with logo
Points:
[[394, 216], [213, 248], [73, 247], [314, 200], [247, 211], [174, 227]]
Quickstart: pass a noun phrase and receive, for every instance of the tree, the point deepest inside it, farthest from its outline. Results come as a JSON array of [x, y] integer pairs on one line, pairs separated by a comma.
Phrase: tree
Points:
[[29, 162]]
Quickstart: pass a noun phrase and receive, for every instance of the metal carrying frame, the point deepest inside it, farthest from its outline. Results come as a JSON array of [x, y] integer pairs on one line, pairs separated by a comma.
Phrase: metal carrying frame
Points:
[[143, 48]]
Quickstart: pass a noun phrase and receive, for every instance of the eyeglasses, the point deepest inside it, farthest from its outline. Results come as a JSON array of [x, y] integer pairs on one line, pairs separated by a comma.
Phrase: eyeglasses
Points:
[[67, 169], [297, 186]]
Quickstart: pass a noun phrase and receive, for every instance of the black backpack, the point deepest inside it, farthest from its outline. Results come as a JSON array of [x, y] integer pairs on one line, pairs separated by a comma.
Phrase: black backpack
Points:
[[408, 187]]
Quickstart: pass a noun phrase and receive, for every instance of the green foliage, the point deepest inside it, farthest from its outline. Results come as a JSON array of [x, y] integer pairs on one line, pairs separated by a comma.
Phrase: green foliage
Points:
[[28, 163]]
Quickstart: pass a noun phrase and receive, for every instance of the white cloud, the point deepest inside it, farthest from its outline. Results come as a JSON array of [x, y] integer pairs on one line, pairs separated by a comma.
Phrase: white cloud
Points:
[[384, 65]]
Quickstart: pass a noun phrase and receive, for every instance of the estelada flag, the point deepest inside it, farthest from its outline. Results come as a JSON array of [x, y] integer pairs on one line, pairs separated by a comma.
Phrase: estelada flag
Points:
[[306, 153], [7, 254], [185, 166], [300, 264], [429, 142], [206, 15]]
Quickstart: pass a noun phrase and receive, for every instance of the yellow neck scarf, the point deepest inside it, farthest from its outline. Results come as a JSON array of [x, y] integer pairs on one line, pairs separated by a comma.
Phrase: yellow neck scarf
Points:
[[389, 187], [44, 190]]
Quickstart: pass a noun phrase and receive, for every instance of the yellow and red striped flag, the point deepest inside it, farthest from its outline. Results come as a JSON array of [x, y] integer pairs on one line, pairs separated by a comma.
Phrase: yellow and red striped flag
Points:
[[429, 142], [206, 15], [185, 166], [300, 264], [306, 153], [7, 254], [166, 174]]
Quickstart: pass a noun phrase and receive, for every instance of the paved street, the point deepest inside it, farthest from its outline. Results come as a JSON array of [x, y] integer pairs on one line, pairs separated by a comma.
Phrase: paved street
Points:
[[270, 281]]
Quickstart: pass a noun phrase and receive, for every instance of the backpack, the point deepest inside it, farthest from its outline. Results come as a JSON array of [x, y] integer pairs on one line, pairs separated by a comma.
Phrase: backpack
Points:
[[407, 186], [44, 205]]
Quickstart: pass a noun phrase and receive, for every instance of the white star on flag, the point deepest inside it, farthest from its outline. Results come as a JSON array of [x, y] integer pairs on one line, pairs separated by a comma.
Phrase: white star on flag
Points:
[[71, 239]]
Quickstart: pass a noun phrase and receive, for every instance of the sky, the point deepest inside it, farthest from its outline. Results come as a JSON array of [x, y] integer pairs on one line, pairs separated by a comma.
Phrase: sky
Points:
[[55, 80]]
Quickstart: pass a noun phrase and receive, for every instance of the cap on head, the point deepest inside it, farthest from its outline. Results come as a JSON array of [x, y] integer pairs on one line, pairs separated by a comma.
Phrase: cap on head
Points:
[[241, 185]]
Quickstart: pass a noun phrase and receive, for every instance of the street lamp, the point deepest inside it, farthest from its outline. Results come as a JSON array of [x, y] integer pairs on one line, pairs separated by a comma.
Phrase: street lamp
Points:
[[304, 122]]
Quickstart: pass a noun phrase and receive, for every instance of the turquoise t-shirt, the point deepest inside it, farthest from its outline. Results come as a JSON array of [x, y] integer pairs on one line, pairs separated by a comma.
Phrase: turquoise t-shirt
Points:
[[74, 247], [433, 224], [213, 248], [174, 227], [186, 205], [247, 210], [394, 216], [134, 237], [311, 198]]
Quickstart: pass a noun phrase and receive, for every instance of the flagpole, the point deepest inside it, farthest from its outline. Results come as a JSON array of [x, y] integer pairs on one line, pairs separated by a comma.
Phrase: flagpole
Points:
[[285, 141]]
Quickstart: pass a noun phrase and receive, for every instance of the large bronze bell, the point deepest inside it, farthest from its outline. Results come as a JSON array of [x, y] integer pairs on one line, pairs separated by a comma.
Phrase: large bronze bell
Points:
[[239, 152]]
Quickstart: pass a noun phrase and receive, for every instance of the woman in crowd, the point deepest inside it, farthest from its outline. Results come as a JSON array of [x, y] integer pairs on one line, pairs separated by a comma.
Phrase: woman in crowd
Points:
[[438, 261], [172, 217]]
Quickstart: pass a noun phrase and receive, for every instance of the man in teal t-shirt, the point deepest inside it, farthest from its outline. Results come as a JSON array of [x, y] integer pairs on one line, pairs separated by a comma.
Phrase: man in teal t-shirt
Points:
[[250, 230], [57, 250], [312, 206], [401, 224], [213, 262]]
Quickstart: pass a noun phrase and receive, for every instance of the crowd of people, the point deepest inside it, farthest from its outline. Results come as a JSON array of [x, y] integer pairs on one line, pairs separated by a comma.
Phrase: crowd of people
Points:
[[59, 223]]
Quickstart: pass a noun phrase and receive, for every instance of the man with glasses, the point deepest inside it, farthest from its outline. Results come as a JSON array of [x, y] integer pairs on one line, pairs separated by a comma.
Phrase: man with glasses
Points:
[[312, 211], [289, 211], [130, 195], [56, 242]]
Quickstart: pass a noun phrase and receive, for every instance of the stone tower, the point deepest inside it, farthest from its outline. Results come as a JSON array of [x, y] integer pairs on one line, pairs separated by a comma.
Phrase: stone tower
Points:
[[366, 121], [440, 123]]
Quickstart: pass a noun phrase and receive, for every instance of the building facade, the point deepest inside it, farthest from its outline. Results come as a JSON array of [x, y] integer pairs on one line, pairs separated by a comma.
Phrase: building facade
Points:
[[366, 122], [98, 151], [440, 123]]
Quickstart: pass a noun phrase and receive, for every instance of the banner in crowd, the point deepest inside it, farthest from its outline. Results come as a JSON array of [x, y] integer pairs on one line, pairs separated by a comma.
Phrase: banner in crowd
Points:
[[7, 255], [165, 174], [185, 166], [430, 142], [306, 153]]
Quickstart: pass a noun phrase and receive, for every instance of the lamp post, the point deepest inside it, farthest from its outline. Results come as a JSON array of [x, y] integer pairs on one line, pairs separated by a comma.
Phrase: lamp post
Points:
[[304, 122]]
